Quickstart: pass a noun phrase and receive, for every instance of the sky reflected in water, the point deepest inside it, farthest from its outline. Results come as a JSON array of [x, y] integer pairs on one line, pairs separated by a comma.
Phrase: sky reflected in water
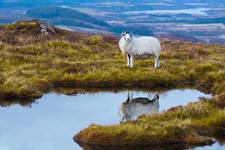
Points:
[[51, 123]]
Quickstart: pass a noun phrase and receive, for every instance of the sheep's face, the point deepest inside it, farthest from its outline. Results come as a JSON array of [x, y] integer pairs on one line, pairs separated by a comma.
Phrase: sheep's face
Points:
[[124, 112], [127, 36]]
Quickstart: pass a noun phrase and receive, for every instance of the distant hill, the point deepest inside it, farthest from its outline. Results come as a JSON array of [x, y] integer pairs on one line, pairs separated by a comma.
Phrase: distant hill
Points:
[[36, 2], [74, 18], [66, 16]]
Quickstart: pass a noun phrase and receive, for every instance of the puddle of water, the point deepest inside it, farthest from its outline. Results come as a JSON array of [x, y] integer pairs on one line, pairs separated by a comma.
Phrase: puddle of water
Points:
[[216, 146], [51, 123], [193, 11]]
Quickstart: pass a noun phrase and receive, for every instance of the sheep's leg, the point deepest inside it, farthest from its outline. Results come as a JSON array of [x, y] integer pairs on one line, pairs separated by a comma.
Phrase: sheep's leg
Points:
[[128, 60], [128, 96], [157, 62], [131, 61]]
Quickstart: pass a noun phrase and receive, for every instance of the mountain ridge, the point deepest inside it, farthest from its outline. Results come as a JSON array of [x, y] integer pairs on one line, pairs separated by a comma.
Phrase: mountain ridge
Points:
[[65, 16]]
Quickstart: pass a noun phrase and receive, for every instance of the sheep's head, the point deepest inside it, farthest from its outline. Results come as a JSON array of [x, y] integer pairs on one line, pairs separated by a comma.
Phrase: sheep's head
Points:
[[127, 36], [124, 112]]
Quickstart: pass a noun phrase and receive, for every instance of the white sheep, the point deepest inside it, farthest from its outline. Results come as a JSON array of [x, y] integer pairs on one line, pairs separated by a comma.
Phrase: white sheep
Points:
[[134, 107], [140, 46]]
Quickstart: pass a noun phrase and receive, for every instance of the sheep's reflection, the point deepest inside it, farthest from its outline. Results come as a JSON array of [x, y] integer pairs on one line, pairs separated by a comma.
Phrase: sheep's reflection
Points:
[[134, 107]]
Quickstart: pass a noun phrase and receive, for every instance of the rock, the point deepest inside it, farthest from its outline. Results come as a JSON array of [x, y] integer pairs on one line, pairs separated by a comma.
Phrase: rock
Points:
[[46, 28]]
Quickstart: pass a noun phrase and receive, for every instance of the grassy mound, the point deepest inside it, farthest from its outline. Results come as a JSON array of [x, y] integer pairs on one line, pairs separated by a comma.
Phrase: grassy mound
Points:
[[190, 125]]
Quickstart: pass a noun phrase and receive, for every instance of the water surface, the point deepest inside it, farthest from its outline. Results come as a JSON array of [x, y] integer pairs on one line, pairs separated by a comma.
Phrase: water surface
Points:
[[192, 11], [51, 122]]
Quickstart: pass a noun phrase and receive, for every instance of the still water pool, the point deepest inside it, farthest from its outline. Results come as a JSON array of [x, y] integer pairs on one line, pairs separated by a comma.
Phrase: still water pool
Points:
[[51, 122]]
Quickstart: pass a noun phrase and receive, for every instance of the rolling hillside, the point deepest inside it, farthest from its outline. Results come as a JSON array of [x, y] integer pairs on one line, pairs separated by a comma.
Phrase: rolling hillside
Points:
[[67, 17]]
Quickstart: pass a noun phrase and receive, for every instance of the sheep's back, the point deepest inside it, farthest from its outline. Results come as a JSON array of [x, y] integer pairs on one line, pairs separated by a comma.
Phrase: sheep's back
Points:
[[137, 109], [146, 45]]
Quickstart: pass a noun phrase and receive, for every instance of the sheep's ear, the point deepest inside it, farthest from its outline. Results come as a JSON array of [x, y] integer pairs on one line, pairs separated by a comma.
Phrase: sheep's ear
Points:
[[131, 34], [123, 34]]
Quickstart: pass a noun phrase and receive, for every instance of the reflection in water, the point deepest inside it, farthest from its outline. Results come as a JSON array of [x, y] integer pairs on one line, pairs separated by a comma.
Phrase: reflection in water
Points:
[[51, 123], [26, 102], [133, 147], [134, 107]]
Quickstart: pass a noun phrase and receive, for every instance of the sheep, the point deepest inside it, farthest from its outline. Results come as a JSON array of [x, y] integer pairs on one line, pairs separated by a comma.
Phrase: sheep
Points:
[[134, 107], [139, 46]]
